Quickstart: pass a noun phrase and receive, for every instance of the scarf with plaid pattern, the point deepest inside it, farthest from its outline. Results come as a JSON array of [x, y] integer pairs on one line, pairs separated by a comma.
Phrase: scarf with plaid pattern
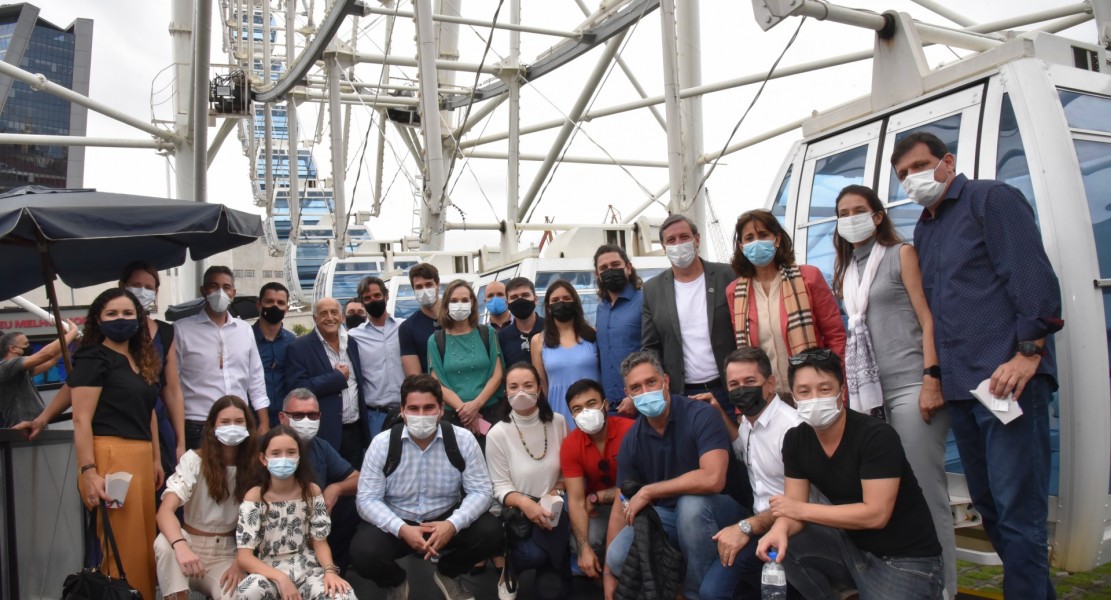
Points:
[[801, 334]]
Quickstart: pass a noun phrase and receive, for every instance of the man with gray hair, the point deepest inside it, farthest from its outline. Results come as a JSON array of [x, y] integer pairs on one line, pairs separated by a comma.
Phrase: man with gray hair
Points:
[[677, 452], [19, 400], [335, 476]]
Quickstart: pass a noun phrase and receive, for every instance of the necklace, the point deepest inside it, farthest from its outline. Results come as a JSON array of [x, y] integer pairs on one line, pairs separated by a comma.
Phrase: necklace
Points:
[[521, 434]]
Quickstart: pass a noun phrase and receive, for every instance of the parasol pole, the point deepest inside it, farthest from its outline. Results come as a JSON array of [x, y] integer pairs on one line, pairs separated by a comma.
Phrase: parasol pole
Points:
[[49, 276]]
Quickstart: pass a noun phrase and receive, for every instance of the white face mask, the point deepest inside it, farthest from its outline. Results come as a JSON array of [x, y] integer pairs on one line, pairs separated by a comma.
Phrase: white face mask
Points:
[[856, 228], [590, 420], [422, 427], [819, 413], [218, 301], [923, 188], [427, 297], [459, 311], [681, 255], [523, 401], [146, 297], [306, 428], [231, 435]]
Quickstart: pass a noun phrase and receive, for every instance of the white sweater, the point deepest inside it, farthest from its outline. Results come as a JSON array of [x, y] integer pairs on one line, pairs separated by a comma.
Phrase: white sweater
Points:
[[511, 467]]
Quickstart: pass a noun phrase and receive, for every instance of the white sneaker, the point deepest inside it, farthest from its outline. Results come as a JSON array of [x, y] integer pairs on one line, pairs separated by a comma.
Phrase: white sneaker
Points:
[[400, 592], [452, 587], [504, 593]]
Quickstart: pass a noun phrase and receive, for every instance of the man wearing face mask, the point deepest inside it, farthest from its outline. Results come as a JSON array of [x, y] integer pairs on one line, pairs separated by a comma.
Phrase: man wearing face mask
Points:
[[685, 318], [876, 535], [514, 338], [354, 314], [414, 332], [334, 475], [379, 354], [217, 357], [679, 450], [273, 339], [19, 398], [430, 499], [996, 303], [497, 307], [618, 319]]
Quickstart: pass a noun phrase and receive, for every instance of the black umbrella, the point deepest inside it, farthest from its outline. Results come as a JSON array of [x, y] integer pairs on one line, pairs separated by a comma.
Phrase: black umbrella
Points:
[[86, 237]]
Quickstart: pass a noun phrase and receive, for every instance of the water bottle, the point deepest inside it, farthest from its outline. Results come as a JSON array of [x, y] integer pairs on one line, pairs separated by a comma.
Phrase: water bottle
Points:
[[773, 580]]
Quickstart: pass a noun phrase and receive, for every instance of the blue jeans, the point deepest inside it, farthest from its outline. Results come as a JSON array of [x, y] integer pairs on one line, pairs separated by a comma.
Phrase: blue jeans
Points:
[[1007, 470], [819, 557], [549, 552], [374, 422], [742, 580], [690, 527]]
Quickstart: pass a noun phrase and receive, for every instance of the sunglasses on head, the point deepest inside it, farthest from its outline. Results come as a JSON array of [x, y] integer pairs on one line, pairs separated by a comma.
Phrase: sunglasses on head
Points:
[[807, 356]]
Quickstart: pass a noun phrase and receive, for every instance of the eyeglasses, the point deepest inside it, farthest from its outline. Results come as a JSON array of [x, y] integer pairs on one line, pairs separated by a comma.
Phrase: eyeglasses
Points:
[[807, 356], [298, 416], [604, 467]]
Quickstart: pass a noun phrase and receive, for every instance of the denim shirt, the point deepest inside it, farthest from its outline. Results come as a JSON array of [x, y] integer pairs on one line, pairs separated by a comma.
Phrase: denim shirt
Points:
[[987, 280], [618, 327], [272, 355]]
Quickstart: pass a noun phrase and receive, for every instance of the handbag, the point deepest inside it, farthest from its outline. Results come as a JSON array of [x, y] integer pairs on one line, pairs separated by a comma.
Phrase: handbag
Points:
[[518, 527], [90, 583]]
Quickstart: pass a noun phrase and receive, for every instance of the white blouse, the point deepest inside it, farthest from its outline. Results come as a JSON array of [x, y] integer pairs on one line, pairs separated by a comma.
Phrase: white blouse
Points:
[[201, 511], [511, 467]]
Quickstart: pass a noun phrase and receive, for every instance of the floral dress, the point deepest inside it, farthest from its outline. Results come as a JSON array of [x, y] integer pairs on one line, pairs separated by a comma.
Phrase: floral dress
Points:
[[279, 531]]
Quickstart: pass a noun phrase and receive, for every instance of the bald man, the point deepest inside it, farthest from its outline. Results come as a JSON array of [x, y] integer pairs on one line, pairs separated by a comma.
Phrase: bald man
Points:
[[497, 307], [324, 363]]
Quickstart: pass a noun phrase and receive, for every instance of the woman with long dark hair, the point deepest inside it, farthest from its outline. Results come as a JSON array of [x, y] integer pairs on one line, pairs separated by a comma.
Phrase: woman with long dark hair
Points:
[[522, 454], [285, 521], [891, 364], [568, 350], [114, 384], [775, 304], [209, 483]]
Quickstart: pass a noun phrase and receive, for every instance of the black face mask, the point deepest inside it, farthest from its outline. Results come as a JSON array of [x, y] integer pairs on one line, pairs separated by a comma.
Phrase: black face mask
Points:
[[614, 280], [522, 308], [562, 311], [354, 321], [748, 399], [272, 315], [375, 308]]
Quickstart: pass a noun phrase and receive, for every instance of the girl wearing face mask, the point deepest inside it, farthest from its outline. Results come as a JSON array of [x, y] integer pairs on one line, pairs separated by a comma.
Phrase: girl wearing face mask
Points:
[[779, 306], [568, 350], [891, 346], [284, 519], [522, 453], [114, 384], [210, 483], [469, 369]]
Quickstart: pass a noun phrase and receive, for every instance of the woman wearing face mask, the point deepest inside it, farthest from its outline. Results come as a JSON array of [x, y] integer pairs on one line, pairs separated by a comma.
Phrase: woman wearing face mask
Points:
[[210, 483], [891, 364], [779, 306], [568, 350], [284, 520], [114, 384], [522, 453], [469, 364]]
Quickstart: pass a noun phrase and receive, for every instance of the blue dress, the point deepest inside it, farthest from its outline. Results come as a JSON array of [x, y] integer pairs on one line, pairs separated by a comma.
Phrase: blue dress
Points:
[[565, 366]]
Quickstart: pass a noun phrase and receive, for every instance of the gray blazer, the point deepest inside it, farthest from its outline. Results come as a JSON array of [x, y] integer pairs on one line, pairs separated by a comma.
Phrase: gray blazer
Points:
[[660, 331]]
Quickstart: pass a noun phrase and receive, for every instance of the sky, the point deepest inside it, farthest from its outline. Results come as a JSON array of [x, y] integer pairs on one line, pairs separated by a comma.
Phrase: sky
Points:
[[132, 50]]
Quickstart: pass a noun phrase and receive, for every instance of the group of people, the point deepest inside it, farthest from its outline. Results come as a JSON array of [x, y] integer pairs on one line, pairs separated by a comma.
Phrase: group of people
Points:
[[713, 418]]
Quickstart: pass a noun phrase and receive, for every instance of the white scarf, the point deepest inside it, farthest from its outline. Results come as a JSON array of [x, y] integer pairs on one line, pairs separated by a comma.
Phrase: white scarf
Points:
[[865, 393]]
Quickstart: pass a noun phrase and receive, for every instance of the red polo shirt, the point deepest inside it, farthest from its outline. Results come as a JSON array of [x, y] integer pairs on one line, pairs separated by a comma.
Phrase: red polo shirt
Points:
[[579, 457]]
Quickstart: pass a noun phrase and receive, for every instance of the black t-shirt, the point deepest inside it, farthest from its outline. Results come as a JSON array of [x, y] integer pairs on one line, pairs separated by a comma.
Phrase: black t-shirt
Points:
[[126, 399], [515, 345], [869, 449], [413, 334]]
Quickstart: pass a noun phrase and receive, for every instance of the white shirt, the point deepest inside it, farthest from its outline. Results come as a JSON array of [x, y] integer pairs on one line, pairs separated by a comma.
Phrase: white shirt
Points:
[[351, 393], [380, 358], [201, 511], [217, 361], [698, 354], [760, 446], [511, 467]]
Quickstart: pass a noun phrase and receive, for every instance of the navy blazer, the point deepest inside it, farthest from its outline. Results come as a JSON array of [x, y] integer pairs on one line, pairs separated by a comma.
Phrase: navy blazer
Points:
[[307, 366]]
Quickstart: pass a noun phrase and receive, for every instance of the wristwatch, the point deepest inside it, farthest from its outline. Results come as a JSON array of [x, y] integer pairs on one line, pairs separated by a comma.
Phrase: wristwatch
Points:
[[1030, 349], [746, 527], [933, 371]]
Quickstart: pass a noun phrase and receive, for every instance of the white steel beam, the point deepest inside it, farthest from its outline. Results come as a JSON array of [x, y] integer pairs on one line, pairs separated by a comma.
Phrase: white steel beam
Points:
[[292, 124], [1080, 8], [339, 159], [938, 9], [20, 139], [582, 160], [450, 18], [674, 121], [218, 141], [509, 244], [401, 61], [432, 210], [202, 49]]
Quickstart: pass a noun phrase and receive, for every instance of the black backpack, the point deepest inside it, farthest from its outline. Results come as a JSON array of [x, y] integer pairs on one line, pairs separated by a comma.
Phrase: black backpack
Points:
[[441, 339], [451, 446]]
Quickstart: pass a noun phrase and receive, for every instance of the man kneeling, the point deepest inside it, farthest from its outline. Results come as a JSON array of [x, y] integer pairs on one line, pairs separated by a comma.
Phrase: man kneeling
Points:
[[877, 535], [424, 488]]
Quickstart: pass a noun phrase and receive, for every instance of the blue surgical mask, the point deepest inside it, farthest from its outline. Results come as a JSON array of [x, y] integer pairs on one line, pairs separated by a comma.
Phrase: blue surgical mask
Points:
[[760, 252], [119, 330], [282, 467], [650, 404], [496, 306]]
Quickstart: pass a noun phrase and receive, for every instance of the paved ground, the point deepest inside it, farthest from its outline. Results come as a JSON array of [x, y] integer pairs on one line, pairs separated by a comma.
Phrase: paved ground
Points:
[[986, 582]]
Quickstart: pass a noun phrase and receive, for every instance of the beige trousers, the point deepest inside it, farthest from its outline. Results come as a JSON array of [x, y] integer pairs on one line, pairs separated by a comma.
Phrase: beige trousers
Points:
[[217, 553]]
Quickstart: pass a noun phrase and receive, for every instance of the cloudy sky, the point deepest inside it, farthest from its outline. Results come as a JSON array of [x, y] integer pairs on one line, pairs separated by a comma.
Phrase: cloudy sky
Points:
[[131, 53]]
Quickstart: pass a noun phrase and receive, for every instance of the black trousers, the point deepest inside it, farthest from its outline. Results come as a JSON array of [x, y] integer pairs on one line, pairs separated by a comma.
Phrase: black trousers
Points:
[[194, 431], [345, 521], [351, 444], [374, 553]]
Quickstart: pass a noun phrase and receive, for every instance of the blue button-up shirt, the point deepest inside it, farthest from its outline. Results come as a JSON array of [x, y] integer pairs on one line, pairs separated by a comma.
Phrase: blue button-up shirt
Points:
[[380, 357], [987, 280], [272, 354], [618, 326]]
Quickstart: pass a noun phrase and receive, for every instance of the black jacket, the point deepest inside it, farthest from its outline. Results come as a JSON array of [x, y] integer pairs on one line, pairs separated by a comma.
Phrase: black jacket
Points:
[[654, 569]]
